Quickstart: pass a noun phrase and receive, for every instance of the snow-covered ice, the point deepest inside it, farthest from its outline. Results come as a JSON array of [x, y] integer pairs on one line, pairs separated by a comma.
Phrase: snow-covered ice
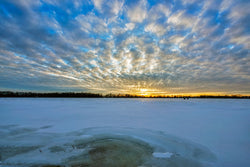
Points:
[[201, 132], [162, 155]]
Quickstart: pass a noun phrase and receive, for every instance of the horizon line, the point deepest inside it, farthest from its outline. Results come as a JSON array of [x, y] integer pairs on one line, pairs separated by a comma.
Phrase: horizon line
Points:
[[114, 95]]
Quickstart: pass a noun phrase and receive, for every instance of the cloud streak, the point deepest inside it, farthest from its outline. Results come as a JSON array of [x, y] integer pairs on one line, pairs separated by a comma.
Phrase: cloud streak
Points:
[[123, 46]]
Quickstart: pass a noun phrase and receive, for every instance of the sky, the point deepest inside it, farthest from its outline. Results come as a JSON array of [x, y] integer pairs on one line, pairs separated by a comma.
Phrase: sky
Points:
[[146, 47]]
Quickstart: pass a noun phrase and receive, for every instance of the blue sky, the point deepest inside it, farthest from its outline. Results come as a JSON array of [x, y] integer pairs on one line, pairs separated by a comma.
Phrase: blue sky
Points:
[[125, 46]]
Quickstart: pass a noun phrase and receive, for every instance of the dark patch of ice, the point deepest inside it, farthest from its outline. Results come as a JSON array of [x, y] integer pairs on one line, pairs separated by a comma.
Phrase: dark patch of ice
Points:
[[94, 147]]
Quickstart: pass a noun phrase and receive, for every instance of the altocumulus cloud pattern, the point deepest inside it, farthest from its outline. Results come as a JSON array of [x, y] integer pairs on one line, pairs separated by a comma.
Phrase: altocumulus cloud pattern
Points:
[[125, 46]]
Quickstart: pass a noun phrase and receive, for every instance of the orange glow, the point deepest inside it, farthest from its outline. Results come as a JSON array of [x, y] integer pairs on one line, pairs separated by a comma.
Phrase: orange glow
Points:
[[146, 93]]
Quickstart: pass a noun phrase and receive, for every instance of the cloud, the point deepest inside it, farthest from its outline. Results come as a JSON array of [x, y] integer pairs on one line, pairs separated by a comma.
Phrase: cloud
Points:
[[98, 4], [109, 8], [181, 20], [92, 24], [156, 28], [130, 26], [123, 46], [137, 12]]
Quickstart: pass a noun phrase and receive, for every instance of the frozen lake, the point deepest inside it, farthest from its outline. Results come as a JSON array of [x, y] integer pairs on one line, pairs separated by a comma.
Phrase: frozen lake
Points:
[[198, 132]]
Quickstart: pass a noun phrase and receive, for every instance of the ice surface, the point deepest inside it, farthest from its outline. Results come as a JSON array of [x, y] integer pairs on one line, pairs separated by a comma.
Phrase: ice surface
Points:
[[104, 146], [208, 132], [162, 155]]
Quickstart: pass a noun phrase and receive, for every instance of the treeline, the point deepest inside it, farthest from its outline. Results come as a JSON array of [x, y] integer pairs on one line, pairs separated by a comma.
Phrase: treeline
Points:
[[54, 94], [97, 95]]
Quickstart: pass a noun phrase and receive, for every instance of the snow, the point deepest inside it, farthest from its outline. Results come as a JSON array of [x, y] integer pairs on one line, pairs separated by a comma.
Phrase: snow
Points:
[[219, 126], [162, 155]]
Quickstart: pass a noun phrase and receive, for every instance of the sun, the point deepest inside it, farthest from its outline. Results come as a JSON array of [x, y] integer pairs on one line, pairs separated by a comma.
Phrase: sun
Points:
[[144, 92]]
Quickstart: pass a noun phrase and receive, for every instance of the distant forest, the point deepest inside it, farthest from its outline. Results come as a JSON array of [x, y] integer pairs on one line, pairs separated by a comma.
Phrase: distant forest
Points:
[[96, 95]]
